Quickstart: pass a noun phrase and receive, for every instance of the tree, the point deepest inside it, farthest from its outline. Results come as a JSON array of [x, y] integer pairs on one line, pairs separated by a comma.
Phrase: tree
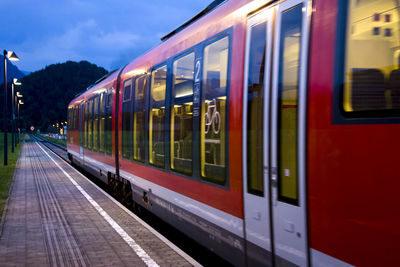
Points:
[[47, 92]]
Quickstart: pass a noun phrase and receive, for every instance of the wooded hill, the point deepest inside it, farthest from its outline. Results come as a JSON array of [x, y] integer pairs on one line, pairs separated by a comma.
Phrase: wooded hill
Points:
[[47, 93]]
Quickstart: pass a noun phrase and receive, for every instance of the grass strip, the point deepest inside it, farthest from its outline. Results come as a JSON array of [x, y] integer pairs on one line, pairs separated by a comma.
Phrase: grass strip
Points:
[[7, 172]]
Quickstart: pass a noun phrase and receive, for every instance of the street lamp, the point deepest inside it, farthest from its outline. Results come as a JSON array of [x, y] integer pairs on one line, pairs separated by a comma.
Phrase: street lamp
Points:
[[13, 57], [18, 128], [19, 103], [14, 83]]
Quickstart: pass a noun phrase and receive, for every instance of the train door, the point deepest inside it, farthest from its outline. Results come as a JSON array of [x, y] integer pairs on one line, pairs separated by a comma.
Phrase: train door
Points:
[[288, 130], [255, 139], [81, 117], [274, 135]]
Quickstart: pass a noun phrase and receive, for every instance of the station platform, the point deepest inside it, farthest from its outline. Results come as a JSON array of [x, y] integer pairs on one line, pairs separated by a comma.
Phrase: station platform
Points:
[[57, 217]]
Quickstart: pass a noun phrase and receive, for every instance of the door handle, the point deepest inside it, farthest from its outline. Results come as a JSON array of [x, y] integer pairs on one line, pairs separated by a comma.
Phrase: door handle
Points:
[[274, 176], [274, 185]]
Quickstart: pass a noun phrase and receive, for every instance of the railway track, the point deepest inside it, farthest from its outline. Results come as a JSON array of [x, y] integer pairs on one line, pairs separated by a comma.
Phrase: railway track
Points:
[[188, 245]]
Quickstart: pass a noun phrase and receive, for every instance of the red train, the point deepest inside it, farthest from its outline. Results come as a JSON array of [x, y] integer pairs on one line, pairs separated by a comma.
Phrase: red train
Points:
[[266, 130]]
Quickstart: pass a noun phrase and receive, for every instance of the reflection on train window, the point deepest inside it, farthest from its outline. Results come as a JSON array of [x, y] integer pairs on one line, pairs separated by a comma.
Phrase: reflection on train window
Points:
[[86, 127], [157, 116], [126, 120], [90, 127], [255, 108], [108, 115], [69, 119], [76, 118], [182, 114], [96, 124], [372, 67], [102, 122], [213, 111], [288, 86], [73, 117], [139, 119]]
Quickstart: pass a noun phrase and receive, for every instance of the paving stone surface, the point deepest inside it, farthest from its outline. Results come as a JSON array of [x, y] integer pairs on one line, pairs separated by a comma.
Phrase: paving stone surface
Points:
[[49, 222]]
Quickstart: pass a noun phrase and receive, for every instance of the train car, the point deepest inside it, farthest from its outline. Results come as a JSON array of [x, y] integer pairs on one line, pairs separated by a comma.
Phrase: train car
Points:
[[268, 131]]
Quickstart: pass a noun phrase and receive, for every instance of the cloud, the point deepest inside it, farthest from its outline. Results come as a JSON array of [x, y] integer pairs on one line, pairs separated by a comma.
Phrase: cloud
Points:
[[85, 41], [117, 40]]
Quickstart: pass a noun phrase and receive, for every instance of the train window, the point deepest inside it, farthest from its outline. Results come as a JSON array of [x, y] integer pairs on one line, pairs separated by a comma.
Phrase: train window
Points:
[[108, 116], [90, 127], [72, 117], [157, 116], [139, 119], [86, 127], [213, 111], [372, 68], [182, 114], [102, 122], [288, 85], [95, 124], [126, 120], [76, 118], [255, 107], [127, 91]]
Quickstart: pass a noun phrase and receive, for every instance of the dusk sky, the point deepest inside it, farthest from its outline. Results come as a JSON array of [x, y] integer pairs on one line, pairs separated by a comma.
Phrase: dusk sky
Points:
[[109, 33]]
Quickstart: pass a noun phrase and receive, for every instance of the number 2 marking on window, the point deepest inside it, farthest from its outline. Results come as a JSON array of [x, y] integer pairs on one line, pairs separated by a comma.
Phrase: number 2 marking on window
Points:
[[198, 66]]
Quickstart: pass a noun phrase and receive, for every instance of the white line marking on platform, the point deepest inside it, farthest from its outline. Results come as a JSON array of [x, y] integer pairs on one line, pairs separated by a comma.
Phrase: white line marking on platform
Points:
[[129, 240], [134, 216]]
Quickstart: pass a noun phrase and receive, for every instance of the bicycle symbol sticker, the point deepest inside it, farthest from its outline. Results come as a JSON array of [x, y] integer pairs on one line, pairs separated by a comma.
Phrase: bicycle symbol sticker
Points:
[[212, 119]]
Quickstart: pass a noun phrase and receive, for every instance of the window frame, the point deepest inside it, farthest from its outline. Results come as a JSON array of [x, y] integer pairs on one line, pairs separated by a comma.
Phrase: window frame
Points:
[[102, 114], [86, 125], [96, 146], [247, 74], [90, 120], [339, 115], [226, 33], [128, 82], [77, 117], [196, 54], [108, 111], [167, 102], [146, 98], [73, 118]]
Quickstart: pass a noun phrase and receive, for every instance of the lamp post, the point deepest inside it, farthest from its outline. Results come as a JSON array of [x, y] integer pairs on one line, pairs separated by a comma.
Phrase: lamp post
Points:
[[14, 83], [13, 57], [18, 103]]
